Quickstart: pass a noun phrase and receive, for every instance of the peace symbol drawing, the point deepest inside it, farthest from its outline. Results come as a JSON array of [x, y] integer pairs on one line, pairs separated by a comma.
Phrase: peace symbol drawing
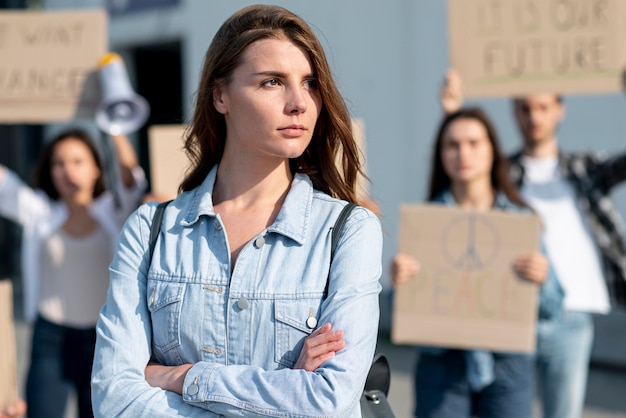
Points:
[[480, 238]]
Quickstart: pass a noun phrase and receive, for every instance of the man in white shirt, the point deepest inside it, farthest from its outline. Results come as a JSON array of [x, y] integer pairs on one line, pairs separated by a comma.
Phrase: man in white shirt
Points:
[[583, 236]]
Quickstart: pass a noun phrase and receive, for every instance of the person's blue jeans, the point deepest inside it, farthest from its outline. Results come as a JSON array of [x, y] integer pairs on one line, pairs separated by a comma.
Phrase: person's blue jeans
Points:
[[61, 359], [443, 391], [563, 352]]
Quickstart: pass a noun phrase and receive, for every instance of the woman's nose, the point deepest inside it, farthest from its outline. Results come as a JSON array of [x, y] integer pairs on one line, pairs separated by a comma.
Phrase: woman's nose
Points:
[[295, 103]]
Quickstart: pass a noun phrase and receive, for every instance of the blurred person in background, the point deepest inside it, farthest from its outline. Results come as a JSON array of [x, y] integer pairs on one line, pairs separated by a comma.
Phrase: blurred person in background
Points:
[[583, 236], [469, 171], [70, 223]]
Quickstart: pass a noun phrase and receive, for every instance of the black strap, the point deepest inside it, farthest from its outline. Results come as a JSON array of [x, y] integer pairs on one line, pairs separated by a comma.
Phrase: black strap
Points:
[[339, 224], [157, 219], [341, 221]]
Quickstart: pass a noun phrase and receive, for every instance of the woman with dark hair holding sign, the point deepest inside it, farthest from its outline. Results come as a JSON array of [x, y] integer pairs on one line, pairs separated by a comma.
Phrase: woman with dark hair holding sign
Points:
[[468, 170]]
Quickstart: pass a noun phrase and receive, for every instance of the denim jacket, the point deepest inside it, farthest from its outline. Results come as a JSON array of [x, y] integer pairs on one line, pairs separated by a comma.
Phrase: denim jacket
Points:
[[242, 329], [480, 363]]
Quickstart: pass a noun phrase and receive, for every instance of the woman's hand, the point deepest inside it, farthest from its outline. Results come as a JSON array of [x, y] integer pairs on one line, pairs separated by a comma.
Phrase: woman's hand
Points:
[[533, 266], [403, 266], [17, 410], [451, 92], [170, 378], [318, 347]]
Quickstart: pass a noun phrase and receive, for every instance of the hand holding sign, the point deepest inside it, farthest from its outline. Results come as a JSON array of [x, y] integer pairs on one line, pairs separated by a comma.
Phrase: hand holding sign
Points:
[[467, 294]]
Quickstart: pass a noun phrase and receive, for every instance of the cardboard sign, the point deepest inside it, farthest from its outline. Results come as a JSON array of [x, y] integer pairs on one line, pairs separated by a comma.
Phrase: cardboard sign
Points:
[[8, 361], [517, 47], [168, 161], [466, 294], [48, 64]]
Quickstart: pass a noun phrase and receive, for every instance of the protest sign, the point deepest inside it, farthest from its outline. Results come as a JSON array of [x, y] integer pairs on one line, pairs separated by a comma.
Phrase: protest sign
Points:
[[8, 361], [49, 63], [168, 161], [516, 47], [466, 294]]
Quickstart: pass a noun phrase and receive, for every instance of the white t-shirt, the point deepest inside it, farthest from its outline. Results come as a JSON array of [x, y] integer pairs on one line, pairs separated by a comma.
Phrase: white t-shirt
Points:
[[569, 241], [74, 278]]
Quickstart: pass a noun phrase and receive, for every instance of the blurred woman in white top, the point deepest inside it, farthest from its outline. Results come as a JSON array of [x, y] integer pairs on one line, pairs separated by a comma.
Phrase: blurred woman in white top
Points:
[[70, 224]]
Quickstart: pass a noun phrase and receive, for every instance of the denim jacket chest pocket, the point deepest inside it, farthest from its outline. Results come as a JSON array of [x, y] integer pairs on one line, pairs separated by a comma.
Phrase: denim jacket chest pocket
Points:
[[165, 304], [296, 319]]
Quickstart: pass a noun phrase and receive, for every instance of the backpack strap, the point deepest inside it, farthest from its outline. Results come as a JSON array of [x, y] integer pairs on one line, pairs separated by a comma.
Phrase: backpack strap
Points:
[[155, 228], [337, 228]]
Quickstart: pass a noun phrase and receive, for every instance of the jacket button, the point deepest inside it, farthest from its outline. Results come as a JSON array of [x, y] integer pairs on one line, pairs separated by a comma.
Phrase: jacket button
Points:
[[192, 390], [242, 303], [259, 242]]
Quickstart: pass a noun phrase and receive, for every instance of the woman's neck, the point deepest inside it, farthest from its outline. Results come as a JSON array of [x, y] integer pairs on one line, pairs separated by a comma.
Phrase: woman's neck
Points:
[[477, 195], [79, 222], [253, 184]]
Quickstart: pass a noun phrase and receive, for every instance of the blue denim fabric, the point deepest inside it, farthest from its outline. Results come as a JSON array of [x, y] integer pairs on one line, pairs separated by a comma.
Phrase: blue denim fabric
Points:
[[563, 351], [48, 386], [443, 391], [242, 329]]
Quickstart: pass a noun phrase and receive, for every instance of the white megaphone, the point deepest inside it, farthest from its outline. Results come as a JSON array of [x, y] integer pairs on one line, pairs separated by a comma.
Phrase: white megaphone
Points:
[[121, 110]]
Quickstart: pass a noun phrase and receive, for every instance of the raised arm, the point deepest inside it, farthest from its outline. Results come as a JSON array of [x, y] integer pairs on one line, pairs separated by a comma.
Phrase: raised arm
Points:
[[127, 159], [451, 93], [18, 202]]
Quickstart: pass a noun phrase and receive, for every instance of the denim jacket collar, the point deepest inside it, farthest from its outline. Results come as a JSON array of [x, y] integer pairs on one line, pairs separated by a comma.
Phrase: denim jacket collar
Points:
[[500, 202], [292, 220]]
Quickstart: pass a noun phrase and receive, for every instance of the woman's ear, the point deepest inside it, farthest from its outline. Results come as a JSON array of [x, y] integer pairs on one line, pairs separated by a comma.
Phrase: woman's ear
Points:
[[220, 100]]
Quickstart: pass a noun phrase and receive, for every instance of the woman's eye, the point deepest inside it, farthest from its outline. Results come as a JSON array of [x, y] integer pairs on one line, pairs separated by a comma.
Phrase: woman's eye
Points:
[[312, 84], [272, 82]]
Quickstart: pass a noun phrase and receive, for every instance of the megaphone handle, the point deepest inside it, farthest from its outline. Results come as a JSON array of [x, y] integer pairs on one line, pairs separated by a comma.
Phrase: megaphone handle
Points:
[[110, 172]]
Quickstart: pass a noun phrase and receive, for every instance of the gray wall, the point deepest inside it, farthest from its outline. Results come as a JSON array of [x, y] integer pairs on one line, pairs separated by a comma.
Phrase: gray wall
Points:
[[388, 58]]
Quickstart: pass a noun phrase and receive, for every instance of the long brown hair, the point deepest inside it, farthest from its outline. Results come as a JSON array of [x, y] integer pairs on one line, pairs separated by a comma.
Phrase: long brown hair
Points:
[[42, 176], [206, 135], [500, 180]]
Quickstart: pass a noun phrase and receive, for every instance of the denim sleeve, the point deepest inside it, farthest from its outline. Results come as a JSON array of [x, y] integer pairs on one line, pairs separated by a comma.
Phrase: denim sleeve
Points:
[[334, 389], [119, 388], [551, 293]]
